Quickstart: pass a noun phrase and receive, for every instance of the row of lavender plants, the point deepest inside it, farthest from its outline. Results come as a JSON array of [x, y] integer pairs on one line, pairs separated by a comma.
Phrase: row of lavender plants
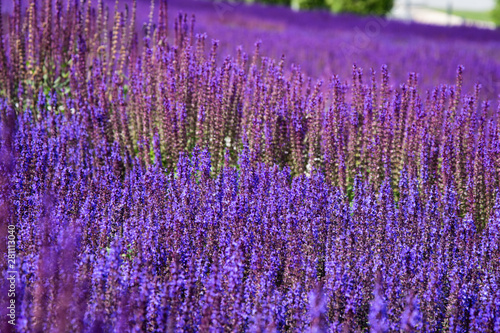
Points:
[[107, 248], [156, 188], [129, 94]]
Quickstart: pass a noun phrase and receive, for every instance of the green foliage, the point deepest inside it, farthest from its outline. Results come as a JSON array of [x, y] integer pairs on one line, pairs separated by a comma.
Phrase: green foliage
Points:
[[495, 14], [308, 4], [272, 2], [363, 7]]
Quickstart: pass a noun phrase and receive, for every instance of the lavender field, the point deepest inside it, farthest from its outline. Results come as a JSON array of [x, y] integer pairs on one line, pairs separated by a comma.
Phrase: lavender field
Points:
[[241, 168]]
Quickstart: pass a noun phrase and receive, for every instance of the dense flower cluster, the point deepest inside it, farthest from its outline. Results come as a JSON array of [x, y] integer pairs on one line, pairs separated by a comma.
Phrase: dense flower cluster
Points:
[[157, 187], [252, 249]]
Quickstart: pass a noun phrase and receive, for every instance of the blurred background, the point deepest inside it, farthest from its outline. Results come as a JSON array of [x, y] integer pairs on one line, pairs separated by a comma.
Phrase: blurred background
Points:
[[447, 12], [442, 12], [483, 13]]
